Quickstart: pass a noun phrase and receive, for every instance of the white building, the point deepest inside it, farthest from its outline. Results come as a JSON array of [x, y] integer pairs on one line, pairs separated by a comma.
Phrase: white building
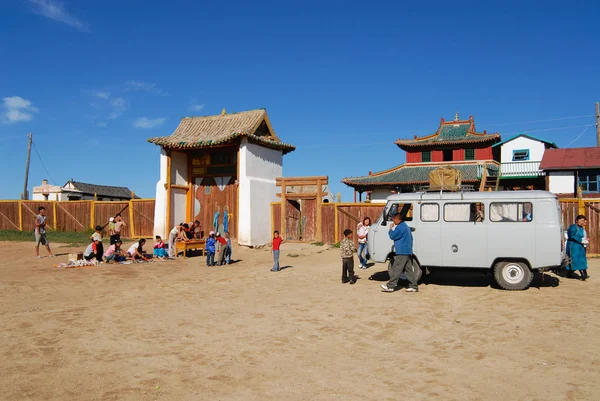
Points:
[[520, 159], [74, 190], [221, 171]]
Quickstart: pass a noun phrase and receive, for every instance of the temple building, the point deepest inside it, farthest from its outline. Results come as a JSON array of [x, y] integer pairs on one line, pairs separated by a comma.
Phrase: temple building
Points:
[[456, 144], [220, 170]]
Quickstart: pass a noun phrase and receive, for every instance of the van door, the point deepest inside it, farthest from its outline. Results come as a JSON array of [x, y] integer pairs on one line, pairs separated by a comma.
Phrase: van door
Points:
[[463, 235], [427, 236], [378, 243], [512, 232]]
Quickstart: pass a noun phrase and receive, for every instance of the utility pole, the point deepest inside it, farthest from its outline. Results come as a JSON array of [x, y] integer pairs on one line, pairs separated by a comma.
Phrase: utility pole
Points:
[[25, 195], [597, 124]]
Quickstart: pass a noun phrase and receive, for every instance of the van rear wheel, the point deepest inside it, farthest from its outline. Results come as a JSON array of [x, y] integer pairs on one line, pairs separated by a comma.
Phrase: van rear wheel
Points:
[[512, 276]]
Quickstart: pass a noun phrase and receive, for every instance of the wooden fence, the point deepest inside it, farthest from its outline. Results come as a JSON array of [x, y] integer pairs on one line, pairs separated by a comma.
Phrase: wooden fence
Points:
[[80, 216], [336, 217]]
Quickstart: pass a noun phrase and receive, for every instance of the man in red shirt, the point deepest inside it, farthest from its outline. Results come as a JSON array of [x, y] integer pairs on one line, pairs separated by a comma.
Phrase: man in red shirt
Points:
[[277, 241]]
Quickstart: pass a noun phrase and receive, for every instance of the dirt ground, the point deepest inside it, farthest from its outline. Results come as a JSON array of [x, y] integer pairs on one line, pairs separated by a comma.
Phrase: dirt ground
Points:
[[181, 331]]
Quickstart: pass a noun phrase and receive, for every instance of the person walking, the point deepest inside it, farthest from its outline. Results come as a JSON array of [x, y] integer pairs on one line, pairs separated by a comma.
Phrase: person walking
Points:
[[362, 230], [403, 244], [576, 243], [40, 232]]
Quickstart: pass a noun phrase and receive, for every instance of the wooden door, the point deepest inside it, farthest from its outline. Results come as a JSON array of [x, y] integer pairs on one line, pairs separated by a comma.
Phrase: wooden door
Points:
[[215, 204], [292, 221]]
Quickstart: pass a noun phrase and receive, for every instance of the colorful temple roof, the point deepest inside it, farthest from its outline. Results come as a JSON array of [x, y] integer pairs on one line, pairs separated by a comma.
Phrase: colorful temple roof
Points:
[[415, 174], [456, 132]]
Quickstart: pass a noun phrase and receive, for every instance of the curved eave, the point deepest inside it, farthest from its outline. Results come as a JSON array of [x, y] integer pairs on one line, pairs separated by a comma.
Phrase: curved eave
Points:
[[169, 143], [356, 185], [402, 144]]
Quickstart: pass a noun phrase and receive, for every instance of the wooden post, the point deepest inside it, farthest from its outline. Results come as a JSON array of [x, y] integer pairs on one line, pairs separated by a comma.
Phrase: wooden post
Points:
[[54, 214], [168, 190], [283, 208], [189, 207], [336, 230], [93, 212], [21, 216], [580, 202], [131, 225], [339, 197], [597, 124], [272, 218], [319, 211]]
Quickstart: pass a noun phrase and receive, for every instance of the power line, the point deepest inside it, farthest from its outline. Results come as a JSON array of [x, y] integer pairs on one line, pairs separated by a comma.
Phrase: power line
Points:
[[546, 129], [541, 121], [43, 165], [580, 135]]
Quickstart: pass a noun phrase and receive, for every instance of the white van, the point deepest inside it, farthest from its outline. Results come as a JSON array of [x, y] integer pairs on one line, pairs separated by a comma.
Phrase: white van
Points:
[[512, 232]]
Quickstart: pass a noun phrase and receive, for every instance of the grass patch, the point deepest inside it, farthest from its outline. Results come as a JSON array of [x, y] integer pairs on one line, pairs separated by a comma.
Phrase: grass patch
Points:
[[336, 245], [71, 238], [317, 243]]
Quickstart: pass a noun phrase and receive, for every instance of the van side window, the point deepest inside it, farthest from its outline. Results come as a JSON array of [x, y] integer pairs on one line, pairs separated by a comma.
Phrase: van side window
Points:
[[430, 212], [511, 212], [454, 212], [405, 210]]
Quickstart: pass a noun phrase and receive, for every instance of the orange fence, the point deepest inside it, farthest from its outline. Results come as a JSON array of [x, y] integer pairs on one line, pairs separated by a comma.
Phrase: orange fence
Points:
[[80, 216], [336, 217]]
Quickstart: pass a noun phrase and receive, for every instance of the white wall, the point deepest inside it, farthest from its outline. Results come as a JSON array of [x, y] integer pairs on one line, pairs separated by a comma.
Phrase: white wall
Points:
[[160, 205], [562, 182], [536, 149], [259, 167], [179, 168], [378, 195]]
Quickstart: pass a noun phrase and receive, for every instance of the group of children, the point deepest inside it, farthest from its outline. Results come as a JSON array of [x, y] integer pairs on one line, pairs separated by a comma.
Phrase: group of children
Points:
[[114, 253], [219, 246]]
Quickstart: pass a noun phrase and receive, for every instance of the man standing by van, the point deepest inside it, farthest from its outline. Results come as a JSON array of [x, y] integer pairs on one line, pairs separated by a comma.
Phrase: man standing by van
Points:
[[403, 245]]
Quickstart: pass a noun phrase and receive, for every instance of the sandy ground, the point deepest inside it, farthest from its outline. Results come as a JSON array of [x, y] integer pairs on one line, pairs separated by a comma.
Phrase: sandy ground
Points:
[[181, 331]]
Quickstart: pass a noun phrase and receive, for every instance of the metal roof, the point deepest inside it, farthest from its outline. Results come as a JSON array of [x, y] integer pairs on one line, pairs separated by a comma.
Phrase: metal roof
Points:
[[571, 159]]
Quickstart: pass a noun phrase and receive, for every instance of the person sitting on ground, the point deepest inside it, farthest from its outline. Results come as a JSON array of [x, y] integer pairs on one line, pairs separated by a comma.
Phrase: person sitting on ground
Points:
[[114, 254], [159, 248], [136, 251], [223, 246], [91, 251]]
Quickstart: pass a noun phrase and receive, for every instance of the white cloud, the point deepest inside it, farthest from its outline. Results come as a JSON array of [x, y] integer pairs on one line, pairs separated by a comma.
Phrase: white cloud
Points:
[[195, 107], [117, 102], [102, 124], [55, 10], [17, 109], [102, 95], [137, 86], [149, 123]]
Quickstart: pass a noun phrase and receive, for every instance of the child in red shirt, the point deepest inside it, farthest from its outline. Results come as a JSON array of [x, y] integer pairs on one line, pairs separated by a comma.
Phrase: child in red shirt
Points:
[[277, 241]]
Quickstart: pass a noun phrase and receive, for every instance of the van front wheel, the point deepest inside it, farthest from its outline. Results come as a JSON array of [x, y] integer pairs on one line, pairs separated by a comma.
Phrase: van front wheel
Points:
[[513, 276]]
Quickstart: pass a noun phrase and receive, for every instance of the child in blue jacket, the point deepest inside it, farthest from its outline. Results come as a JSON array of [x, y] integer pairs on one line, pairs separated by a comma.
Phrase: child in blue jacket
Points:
[[210, 249]]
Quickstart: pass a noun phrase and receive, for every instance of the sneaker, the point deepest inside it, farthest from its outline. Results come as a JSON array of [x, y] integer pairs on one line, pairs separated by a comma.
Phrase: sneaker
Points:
[[345, 281], [412, 290], [38, 257], [51, 256], [353, 281], [363, 267], [385, 288]]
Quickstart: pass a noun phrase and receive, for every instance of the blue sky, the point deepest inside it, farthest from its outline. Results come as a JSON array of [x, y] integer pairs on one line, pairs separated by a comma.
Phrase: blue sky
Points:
[[341, 80]]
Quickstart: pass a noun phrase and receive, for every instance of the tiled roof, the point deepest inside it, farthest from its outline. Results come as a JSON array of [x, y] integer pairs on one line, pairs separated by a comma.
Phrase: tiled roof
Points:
[[571, 159], [201, 132], [413, 173], [457, 132], [100, 190]]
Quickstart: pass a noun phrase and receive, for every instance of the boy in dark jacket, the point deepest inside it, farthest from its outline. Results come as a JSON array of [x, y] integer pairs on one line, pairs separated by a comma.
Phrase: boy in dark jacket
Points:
[[347, 250]]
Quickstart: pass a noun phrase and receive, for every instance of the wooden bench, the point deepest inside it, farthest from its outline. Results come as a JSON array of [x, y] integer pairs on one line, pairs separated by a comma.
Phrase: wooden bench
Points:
[[182, 246]]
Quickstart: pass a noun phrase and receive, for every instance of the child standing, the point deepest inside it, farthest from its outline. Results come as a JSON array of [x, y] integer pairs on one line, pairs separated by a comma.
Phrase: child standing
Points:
[[97, 239], [228, 251], [210, 249], [111, 230], [347, 250], [159, 248], [276, 244], [40, 232], [223, 246], [119, 225]]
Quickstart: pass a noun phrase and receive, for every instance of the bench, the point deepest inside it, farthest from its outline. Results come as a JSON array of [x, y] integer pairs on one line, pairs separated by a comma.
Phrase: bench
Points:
[[192, 245]]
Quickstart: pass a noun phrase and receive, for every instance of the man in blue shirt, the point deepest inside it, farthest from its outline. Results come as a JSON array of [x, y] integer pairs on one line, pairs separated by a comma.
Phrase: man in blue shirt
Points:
[[403, 244]]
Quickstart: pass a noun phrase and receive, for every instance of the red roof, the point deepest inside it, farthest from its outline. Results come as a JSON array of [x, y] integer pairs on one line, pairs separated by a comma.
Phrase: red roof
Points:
[[571, 159]]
